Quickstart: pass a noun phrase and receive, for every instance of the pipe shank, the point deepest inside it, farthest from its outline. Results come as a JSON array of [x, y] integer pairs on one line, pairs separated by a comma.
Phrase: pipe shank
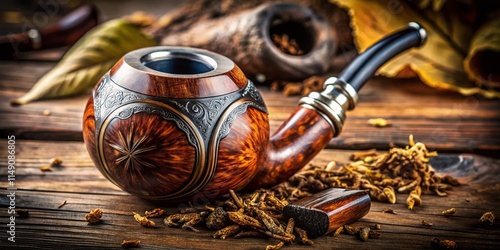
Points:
[[294, 144]]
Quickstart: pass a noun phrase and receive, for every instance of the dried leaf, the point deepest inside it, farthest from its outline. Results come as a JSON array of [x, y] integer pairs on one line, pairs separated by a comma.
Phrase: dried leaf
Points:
[[439, 63], [484, 53], [88, 60], [435, 4]]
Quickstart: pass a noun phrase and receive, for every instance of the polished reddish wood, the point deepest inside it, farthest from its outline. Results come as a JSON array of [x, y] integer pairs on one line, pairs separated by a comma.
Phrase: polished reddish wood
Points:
[[249, 159], [89, 130], [155, 84], [147, 155], [141, 160], [239, 153], [294, 144], [329, 210]]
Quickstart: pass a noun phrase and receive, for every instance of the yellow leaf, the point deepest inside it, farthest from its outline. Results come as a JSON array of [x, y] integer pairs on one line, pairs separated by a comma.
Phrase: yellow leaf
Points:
[[92, 56], [439, 63], [435, 4], [482, 61]]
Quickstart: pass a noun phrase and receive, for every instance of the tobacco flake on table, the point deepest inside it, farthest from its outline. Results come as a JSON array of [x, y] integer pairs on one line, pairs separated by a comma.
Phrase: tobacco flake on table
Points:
[[143, 220], [184, 221], [227, 231], [45, 168], [55, 162], [443, 244], [389, 211], [364, 233], [217, 219], [487, 219], [61, 204], [351, 230], [94, 216], [156, 212], [379, 122], [427, 223], [130, 243], [449, 212]]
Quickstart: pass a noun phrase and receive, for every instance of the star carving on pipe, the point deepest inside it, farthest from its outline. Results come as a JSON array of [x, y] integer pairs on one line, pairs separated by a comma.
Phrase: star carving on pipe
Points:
[[130, 151]]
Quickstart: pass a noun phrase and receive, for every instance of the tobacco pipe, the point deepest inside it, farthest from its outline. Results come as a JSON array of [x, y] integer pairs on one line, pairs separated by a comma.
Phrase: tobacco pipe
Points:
[[247, 38], [65, 32], [177, 123], [324, 212]]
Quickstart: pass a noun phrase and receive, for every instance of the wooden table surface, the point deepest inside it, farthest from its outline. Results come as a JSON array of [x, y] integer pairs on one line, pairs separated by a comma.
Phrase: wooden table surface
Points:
[[463, 129]]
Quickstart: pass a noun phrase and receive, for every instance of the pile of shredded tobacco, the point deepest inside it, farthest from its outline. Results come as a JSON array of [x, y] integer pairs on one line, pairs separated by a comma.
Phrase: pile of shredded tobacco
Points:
[[251, 215], [313, 83], [287, 44], [384, 175], [260, 214]]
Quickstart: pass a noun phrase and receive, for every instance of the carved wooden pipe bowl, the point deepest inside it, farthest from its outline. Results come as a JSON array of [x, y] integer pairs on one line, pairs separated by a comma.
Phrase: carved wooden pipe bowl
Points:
[[177, 123], [157, 124]]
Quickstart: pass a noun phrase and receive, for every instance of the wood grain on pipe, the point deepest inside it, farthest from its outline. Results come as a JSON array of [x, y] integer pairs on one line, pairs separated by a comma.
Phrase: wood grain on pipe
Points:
[[328, 210]]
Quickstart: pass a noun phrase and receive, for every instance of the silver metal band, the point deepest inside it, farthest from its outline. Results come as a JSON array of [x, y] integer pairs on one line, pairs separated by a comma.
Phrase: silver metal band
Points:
[[332, 84], [336, 97]]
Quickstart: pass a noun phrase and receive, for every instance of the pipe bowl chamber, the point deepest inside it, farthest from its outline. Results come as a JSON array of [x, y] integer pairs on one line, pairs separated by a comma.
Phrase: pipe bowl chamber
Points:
[[175, 123]]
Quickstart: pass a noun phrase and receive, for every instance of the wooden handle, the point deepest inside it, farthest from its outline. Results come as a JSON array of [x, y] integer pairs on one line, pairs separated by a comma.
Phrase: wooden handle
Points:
[[328, 210], [65, 32]]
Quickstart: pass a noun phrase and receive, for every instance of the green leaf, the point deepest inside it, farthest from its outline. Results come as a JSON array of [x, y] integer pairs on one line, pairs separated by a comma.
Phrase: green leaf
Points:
[[439, 63], [90, 58]]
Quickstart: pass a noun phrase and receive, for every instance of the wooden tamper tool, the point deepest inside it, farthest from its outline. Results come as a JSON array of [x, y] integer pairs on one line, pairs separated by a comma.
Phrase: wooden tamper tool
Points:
[[328, 210]]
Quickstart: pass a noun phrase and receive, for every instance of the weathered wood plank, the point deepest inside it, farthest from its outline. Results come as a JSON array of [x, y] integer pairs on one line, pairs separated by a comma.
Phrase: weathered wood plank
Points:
[[49, 226], [84, 188], [77, 173], [443, 120]]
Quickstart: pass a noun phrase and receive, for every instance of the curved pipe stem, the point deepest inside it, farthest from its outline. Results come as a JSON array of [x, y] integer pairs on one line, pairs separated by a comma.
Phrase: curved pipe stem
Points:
[[365, 65], [321, 115]]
